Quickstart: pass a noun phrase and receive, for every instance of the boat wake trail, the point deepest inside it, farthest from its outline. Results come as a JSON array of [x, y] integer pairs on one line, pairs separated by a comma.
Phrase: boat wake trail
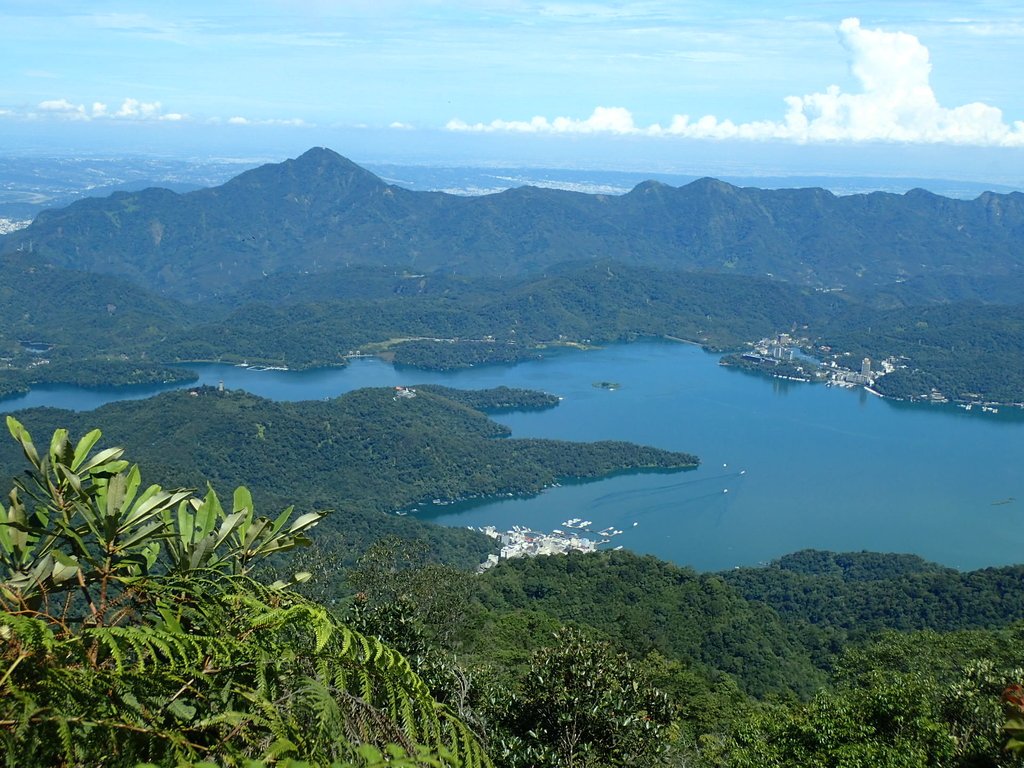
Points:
[[619, 496]]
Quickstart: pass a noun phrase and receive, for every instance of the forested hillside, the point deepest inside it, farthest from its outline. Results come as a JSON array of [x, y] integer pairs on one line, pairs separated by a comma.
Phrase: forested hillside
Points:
[[862, 593], [459, 323], [321, 211], [791, 664], [963, 349], [362, 456]]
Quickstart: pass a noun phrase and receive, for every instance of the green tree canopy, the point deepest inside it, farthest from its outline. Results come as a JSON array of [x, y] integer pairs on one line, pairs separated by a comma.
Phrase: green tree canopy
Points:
[[132, 633]]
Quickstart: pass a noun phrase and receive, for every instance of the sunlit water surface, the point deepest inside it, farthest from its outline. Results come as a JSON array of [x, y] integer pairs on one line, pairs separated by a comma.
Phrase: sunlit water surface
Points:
[[785, 466]]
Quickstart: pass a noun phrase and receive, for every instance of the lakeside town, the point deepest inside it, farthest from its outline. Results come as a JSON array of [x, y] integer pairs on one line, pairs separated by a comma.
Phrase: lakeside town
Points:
[[12, 225], [784, 357], [521, 541]]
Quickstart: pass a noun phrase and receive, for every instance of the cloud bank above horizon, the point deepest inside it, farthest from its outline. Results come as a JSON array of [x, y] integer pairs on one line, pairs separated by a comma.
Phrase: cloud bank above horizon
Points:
[[136, 110], [896, 103], [130, 109]]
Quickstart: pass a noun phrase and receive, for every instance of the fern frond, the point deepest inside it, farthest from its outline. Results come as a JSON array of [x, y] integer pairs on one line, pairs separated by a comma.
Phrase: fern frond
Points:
[[27, 634], [145, 648], [67, 741], [224, 667]]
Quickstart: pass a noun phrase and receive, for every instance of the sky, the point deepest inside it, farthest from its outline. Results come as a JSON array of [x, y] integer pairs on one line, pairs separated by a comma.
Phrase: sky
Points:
[[899, 87]]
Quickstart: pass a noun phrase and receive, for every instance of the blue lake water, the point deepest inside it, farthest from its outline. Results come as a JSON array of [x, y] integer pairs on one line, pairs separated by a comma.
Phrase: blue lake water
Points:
[[824, 468]]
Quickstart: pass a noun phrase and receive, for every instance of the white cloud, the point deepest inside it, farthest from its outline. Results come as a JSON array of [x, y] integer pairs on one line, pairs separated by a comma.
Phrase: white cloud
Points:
[[135, 109], [63, 108], [603, 120], [895, 103], [295, 122], [130, 109]]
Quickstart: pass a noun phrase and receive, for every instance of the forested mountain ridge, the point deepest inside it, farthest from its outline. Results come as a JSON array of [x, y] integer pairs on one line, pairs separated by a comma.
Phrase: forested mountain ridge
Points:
[[775, 628], [600, 302], [302, 262], [321, 211], [860, 593]]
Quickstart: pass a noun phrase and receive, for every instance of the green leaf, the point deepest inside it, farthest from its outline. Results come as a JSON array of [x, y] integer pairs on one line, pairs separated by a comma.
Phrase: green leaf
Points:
[[281, 519], [181, 710], [6, 542], [228, 526], [86, 444], [306, 521], [242, 499], [280, 747], [186, 523], [150, 552], [70, 477], [60, 447], [63, 559], [154, 501], [252, 536], [132, 481], [201, 552], [64, 567], [208, 513], [114, 495], [144, 533], [19, 433], [102, 461], [298, 578]]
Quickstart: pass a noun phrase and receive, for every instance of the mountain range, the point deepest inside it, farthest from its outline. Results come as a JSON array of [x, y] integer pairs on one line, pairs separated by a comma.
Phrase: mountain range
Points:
[[321, 212]]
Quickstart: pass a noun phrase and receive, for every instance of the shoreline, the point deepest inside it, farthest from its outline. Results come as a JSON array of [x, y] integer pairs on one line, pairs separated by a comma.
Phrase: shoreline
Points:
[[22, 390]]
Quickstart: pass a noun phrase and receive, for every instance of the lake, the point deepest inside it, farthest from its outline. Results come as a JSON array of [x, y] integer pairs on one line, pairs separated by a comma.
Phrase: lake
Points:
[[786, 465]]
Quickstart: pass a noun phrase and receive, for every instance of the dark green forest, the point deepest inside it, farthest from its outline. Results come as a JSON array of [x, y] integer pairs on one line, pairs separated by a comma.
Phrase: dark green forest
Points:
[[600, 659], [967, 351]]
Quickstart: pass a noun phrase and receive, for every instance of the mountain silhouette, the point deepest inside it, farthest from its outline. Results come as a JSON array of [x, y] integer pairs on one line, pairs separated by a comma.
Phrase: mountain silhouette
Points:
[[320, 211]]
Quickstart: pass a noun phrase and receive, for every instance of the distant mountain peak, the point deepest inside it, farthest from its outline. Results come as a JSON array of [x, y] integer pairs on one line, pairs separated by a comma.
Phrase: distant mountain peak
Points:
[[322, 156], [710, 184], [318, 167], [319, 152], [650, 186]]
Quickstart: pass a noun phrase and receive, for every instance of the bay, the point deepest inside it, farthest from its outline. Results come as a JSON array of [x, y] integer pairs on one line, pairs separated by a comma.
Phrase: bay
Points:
[[785, 465]]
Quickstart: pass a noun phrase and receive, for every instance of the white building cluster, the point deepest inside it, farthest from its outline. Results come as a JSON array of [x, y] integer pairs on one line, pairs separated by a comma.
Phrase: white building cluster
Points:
[[12, 225], [523, 542]]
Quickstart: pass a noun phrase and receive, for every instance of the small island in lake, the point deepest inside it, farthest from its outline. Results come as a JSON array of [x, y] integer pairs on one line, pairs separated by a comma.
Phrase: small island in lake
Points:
[[607, 384]]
